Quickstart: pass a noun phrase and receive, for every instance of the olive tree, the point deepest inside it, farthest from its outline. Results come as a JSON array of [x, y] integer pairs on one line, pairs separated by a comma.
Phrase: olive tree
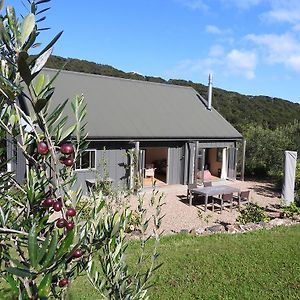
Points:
[[45, 240]]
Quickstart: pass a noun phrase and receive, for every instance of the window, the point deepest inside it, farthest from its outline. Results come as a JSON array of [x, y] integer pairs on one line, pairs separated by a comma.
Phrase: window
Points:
[[87, 160]]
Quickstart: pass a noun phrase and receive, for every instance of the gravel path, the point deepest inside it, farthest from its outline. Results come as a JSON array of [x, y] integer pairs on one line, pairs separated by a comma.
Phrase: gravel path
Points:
[[180, 216]]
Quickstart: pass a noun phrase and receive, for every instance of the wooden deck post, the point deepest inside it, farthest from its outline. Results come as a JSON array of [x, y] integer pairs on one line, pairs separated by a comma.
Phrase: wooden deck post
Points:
[[137, 176], [243, 161], [196, 161]]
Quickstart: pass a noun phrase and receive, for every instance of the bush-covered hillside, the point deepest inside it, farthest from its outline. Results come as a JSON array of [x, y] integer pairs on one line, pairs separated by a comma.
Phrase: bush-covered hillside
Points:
[[236, 108]]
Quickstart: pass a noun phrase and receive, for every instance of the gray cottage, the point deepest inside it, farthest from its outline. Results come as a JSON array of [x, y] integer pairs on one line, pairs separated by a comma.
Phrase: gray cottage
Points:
[[176, 135]]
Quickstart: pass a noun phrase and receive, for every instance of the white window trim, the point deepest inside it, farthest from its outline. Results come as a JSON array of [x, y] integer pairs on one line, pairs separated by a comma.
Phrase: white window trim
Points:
[[87, 169]]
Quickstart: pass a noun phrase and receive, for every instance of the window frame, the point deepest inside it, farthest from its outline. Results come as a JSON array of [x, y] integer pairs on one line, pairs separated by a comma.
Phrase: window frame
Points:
[[79, 168]]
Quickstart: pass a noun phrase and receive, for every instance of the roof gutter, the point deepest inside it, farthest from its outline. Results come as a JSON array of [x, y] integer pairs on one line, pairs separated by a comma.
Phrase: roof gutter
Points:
[[192, 139]]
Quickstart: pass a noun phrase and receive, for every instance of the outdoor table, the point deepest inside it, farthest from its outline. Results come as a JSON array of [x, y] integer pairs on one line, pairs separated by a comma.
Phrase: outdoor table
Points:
[[213, 191]]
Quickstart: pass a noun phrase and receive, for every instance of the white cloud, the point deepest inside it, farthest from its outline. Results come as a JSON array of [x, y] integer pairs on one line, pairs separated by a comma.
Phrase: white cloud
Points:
[[283, 15], [194, 4], [216, 51], [190, 67], [296, 27], [242, 63], [242, 4], [236, 62], [213, 29], [271, 48], [216, 30], [287, 11], [294, 62], [283, 49]]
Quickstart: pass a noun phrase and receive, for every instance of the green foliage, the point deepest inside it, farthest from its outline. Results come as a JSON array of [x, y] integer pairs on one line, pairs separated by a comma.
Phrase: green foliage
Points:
[[252, 213], [45, 246], [290, 210], [2, 149], [297, 176], [104, 186], [114, 280], [84, 206], [265, 147], [134, 222], [297, 197], [15, 195]]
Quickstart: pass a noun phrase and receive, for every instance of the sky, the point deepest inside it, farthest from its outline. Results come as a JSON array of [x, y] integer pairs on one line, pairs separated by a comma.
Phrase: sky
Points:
[[250, 46]]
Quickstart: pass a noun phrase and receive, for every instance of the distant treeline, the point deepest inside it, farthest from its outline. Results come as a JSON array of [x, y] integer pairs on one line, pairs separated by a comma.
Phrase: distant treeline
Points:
[[238, 109]]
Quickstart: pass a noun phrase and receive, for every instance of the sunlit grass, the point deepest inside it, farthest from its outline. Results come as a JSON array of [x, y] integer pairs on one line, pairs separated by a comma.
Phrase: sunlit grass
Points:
[[259, 265]]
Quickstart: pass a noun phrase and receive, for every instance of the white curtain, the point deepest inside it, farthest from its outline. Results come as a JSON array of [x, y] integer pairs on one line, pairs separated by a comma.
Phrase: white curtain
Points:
[[224, 164]]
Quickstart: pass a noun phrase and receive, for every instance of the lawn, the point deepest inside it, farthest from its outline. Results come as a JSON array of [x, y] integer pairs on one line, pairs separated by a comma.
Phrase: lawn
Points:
[[259, 265]]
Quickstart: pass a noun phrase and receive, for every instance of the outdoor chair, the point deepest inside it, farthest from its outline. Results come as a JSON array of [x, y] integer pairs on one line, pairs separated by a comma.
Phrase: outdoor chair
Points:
[[225, 200], [149, 172], [90, 184], [190, 194], [207, 184], [243, 198]]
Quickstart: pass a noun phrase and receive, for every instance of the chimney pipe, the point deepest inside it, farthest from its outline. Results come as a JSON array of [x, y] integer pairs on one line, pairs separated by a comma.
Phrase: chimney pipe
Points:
[[210, 79]]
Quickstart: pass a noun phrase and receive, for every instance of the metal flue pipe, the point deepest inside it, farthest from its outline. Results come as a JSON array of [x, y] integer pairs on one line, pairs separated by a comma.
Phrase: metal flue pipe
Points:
[[209, 100]]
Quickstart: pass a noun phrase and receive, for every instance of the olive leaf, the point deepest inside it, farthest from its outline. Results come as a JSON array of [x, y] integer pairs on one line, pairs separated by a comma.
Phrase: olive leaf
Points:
[[42, 251], [67, 132], [45, 286], [27, 27], [19, 272], [1, 4], [5, 36], [40, 104], [40, 83], [23, 68], [41, 61], [12, 282], [12, 21], [51, 250], [51, 43], [42, 1], [66, 243], [33, 246]]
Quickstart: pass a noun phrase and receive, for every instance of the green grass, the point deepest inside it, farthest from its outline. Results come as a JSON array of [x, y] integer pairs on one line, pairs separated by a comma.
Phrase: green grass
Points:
[[258, 265]]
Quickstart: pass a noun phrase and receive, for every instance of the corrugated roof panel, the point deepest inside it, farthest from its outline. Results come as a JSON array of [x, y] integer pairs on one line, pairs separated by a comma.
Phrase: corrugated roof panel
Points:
[[122, 108]]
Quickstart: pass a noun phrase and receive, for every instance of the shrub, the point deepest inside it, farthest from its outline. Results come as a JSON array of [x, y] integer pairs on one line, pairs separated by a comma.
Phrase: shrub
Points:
[[264, 151], [135, 221], [290, 210], [253, 213], [297, 198], [297, 177]]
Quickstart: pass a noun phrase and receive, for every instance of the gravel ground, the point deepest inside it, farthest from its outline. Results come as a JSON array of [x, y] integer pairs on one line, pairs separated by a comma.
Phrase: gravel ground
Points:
[[180, 216]]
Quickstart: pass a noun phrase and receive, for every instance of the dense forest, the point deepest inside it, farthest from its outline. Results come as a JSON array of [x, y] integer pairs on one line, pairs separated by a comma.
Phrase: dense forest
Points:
[[236, 108]]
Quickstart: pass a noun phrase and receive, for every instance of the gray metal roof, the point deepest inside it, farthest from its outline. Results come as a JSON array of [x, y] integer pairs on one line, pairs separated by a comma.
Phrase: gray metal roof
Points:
[[130, 109]]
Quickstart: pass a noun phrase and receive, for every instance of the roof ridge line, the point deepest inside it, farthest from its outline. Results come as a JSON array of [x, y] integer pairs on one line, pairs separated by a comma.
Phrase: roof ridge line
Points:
[[121, 78]]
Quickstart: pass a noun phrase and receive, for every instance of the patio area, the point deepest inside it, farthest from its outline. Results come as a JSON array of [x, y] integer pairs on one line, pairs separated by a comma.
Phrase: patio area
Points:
[[179, 216]]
